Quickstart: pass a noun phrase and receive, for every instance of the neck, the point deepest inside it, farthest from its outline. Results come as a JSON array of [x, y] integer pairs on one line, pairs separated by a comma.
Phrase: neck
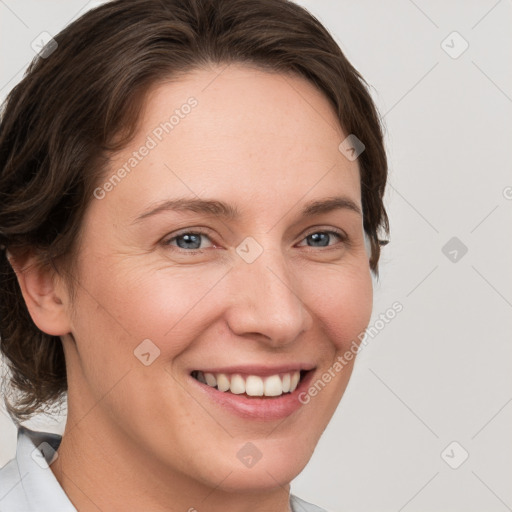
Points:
[[101, 468]]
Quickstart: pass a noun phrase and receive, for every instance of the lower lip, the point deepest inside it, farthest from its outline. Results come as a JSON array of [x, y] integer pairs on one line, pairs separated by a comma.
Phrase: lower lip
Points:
[[258, 408]]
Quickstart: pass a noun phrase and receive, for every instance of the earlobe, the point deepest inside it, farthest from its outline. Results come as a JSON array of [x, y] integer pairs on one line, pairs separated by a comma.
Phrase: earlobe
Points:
[[43, 293]]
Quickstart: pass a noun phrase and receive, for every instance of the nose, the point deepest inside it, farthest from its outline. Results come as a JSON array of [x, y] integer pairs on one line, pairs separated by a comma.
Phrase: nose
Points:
[[267, 300]]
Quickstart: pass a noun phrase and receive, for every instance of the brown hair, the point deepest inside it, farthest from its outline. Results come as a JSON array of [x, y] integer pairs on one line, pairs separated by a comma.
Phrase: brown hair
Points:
[[81, 102]]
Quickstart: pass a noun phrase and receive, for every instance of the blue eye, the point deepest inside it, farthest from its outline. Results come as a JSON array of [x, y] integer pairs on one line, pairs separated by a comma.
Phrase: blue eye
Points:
[[189, 240], [322, 238]]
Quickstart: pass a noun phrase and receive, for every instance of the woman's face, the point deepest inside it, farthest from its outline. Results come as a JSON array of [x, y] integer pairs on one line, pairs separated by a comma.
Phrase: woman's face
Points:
[[260, 287]]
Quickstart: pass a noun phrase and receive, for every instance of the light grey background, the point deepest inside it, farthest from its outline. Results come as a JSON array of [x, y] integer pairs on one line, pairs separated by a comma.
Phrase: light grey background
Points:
[[441, 371]]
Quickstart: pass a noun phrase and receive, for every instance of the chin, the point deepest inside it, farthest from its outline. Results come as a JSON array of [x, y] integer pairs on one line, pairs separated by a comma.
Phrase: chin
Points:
[[264, 464], [265, 475]]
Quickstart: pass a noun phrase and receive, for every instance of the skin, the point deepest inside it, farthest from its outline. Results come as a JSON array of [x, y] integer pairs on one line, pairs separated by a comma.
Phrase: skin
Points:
[[142, 436]]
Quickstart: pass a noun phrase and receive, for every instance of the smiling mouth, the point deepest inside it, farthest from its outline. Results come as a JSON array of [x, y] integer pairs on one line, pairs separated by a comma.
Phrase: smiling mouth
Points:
[[252, 385]]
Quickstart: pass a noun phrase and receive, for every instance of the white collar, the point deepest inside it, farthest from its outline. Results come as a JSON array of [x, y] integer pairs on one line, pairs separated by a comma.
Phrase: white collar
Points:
[[33, 484]]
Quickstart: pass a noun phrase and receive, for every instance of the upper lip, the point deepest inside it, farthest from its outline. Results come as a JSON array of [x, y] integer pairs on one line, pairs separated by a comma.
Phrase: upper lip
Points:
[[253, 369]]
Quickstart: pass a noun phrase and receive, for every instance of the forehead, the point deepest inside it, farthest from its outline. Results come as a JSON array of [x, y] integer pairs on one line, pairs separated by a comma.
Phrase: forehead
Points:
[[245, 102], [236, 131]]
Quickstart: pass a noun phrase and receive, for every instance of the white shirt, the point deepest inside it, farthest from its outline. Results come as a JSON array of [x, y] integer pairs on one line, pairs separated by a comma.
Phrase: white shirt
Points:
[[27, 484]]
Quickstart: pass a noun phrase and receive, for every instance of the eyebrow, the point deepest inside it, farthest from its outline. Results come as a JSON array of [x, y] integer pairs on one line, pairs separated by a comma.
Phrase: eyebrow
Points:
[[230, 212]]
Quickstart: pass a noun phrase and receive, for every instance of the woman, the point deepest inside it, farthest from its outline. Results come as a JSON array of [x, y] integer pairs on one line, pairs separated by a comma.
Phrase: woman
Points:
[[191, 207]]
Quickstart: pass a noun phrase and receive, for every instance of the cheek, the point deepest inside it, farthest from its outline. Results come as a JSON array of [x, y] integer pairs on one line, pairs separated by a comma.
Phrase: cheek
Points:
[[343, 305], [131, 301]]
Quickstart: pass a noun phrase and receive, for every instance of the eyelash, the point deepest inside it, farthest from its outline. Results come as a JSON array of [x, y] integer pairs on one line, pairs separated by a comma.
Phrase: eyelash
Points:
[[167, 242]]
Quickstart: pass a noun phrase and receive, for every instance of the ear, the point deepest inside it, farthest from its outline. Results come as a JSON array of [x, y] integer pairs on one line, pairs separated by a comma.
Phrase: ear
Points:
[[44, 293]]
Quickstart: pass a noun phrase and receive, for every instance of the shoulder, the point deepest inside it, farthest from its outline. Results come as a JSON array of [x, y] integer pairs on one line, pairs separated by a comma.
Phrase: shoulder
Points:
[[299, 505], [12, 497]]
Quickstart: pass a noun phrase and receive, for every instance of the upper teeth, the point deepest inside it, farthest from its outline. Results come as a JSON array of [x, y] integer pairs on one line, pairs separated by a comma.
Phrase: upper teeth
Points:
[[273, 385]]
